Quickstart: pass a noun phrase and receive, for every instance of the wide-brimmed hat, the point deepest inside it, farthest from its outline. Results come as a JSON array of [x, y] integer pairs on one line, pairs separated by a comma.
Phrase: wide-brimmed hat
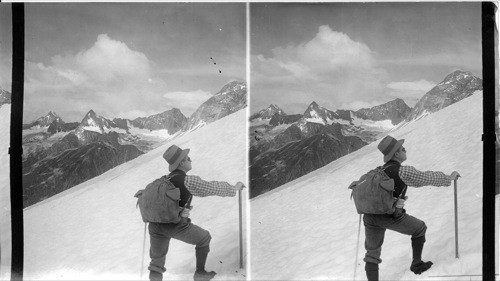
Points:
[[174, 156], [388, 146]]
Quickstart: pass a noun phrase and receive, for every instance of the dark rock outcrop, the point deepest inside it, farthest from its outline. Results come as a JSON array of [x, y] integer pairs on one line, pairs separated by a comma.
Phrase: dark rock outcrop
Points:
[[276, 167]]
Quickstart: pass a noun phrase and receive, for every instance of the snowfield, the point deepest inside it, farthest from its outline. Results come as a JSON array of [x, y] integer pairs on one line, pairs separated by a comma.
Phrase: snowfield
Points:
[[307, 229], [94, 231]]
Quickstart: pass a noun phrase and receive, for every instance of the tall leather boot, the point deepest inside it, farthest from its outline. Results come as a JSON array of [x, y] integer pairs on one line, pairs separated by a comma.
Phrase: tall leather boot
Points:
[[371, 271], [201, 258], [417, 265]]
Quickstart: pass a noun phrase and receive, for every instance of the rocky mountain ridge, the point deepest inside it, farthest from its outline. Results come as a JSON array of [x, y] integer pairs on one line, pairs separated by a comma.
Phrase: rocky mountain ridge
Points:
[[455, 87], [171, 120], [231, 98]]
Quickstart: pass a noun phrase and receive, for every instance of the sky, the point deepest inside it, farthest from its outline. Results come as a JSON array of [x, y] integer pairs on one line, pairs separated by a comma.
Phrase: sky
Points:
[[128, 60], [358, 55]]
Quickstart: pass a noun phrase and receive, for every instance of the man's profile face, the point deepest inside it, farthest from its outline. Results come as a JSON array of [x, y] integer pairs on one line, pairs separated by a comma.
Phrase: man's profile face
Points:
[[186, 163], [402, 154]]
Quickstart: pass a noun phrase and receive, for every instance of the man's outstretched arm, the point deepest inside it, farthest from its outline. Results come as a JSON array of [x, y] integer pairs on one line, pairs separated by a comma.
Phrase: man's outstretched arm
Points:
[[201, 188], [416, 178]]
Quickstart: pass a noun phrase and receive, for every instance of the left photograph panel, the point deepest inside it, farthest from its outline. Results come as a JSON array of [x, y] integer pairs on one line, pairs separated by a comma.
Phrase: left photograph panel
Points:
[[134, 141]]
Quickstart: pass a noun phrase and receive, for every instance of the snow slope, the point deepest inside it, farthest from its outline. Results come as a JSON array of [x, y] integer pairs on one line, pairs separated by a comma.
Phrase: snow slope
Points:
[[5, 227], [94, 231], [307, 229]]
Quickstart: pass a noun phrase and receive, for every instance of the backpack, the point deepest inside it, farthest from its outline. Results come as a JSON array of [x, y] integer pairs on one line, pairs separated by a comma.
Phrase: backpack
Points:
[[373, 193], [159, 202]]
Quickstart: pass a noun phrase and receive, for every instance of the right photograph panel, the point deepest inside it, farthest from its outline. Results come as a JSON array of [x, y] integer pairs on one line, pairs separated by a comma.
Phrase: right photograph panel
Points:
[[365, 151]]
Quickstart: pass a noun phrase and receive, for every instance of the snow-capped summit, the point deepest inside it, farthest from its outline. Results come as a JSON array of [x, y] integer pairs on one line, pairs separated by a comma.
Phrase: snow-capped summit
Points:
[[94, 122], [45, 121], [317, 114], [455, 87], [48, 119], [268, 112]]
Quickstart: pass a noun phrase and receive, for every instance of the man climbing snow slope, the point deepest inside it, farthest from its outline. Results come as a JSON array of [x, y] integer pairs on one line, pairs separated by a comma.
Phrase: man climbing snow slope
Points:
[[161, 233], [376, 225]]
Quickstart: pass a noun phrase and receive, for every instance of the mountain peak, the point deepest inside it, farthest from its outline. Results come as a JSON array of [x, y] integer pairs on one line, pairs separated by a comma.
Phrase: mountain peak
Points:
[[45, 121], [268, 112], [93, 122], [53, 114], [314, 104], [456, 76]]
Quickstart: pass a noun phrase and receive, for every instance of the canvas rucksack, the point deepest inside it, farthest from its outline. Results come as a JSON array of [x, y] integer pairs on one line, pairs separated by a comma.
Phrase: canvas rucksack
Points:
[[373, 193], [159, 202]]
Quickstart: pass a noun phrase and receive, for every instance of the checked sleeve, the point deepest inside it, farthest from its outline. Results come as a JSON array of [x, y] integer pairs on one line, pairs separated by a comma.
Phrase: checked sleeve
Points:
[[416, 178], [201, 188]]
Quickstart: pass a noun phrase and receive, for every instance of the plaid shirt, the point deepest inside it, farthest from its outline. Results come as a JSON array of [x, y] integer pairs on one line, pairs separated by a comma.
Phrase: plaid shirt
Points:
[[416, 178], [202, 188]]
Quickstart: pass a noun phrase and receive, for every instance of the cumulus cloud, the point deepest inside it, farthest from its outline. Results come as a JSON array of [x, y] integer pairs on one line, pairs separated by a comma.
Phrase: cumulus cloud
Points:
[[110, 59], [331, 68], [109, 78], [190, 100]]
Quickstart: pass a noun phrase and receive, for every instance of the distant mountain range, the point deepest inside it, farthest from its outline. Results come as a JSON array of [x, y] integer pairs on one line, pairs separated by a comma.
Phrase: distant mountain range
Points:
[[59, 155], [284, 147]]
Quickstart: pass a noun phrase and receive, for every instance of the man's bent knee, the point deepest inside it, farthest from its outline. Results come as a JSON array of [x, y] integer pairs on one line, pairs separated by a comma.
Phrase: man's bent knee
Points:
[[420, 232], [205, 241]]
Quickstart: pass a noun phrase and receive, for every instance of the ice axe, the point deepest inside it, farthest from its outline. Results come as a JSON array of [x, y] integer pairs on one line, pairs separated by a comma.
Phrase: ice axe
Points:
[[456, 218], [241, 228]]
